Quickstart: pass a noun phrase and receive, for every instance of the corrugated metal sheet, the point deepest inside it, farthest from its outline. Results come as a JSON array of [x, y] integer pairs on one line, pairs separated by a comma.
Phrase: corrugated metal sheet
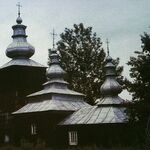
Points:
[[50, 105], [22, 62], [96, 115]]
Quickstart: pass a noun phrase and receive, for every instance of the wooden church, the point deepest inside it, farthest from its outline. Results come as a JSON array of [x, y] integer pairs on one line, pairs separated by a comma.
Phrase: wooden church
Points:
[[40, 106], [18, 77]]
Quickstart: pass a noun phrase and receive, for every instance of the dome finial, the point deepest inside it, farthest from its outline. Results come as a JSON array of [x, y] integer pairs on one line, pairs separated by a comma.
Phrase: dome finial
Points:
[[55, 71], [54, 57], [19, 48], [108, 58], [107, 42], [19, 6], [53, 34], [110, 87], [19, 20]]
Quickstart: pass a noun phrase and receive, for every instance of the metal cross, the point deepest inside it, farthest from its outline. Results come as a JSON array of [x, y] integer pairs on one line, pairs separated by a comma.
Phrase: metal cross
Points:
[[19, 6], [53, 34], [107, 42]]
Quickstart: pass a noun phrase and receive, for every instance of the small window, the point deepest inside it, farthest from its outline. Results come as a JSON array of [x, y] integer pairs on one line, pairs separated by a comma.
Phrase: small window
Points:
[[16, 93], [6, 138], [33, 129], [73, 138]]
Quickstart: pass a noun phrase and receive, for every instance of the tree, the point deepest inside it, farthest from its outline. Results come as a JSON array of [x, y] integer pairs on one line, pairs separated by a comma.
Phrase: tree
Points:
[[140, 73], [82, 56]]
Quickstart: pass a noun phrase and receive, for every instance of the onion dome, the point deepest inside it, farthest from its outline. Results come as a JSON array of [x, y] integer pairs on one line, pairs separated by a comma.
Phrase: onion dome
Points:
[[55, 74], [19, 48], [109, 109], [110, 86], [55, 71], [55, 96]]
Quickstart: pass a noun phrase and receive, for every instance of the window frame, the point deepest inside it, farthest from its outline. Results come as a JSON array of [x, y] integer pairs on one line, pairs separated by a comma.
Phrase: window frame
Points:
[[73, 138], [33, 129]]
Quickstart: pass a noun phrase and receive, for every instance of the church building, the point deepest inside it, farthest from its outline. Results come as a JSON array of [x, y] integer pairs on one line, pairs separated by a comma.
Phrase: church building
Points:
[[106, 121], [19, 77], [59, 115], [46, 108], [37, 104]]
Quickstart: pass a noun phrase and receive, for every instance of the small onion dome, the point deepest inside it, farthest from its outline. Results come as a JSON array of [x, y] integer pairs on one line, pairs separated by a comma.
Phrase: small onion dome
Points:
[[19, 20], [108, 59], [19, 47], [55, 70], [110, 86], [109, 67]]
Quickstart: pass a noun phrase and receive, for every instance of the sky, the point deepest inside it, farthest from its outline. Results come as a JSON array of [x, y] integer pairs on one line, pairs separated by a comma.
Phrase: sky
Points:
[[121, 21]]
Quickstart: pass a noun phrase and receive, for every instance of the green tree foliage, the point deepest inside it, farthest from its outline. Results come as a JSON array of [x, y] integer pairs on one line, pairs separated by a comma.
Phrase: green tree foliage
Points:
[[82, 56], [140, 73]]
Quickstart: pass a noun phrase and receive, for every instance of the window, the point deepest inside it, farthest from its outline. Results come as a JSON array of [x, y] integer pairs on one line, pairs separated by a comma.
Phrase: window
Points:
[[16, 93], [33, 129], [6, 138], [73, 138]]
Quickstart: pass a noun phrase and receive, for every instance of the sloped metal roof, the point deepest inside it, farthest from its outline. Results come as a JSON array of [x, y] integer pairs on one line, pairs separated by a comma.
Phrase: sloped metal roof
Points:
[[50, 105], [56, 96], [22, 62], [55, 75], [109, 109], [56, 90], [110, 100], [96, 115]]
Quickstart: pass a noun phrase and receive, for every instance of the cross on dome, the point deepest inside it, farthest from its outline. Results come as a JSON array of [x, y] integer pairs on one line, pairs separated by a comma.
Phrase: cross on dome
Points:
[[19, 6], [107, 42], [53, 35]]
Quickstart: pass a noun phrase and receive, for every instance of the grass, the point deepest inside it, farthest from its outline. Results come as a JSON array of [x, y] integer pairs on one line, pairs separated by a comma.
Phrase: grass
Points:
[[29, 146]]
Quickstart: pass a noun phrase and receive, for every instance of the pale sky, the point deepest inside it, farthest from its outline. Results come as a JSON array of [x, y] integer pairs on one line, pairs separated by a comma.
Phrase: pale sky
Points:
[[121, 21]]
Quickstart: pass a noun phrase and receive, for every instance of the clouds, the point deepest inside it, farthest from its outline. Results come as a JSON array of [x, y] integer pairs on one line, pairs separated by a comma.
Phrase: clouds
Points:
[[122, 21]]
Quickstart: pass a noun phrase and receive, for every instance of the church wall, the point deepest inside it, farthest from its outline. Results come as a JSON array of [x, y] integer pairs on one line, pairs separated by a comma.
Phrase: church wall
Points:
[[45, 127], [16, 85], [103, 135]]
